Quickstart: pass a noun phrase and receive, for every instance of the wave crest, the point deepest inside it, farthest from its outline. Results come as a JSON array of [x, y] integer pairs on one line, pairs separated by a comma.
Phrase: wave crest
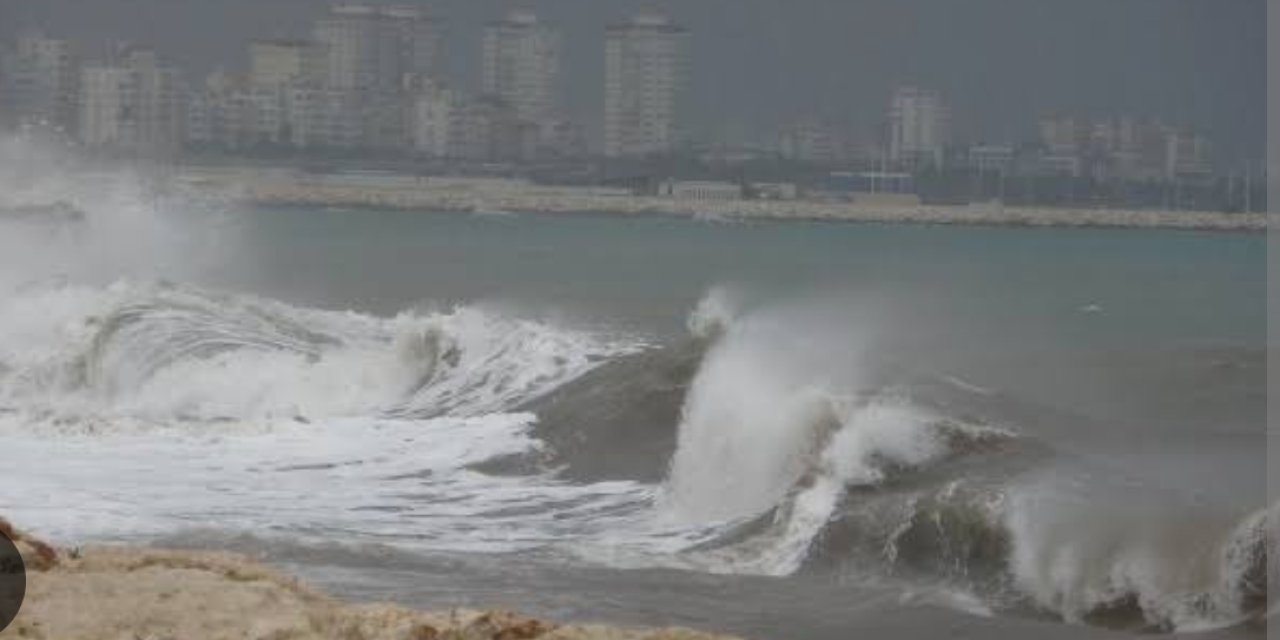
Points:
[[162, 352]]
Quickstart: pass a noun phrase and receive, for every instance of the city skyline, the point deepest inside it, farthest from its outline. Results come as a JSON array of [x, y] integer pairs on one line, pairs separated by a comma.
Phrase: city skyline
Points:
[[750, 77], [370, 81]]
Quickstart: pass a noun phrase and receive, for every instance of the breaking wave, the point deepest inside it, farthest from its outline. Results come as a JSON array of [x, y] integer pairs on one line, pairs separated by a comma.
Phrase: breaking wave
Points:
[[799, 456], [775, 441], [1139, 568], [164, 352]]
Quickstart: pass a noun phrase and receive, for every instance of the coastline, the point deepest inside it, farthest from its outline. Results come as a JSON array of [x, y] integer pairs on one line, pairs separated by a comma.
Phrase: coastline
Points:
[[118, 592], [144, 593], [288, 188]]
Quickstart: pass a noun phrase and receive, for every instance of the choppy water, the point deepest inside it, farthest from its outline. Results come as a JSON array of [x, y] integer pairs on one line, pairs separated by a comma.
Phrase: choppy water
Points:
[[780, 430]]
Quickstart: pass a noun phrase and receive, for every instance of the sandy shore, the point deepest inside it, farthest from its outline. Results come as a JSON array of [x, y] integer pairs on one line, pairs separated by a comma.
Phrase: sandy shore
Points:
[[134, 594]]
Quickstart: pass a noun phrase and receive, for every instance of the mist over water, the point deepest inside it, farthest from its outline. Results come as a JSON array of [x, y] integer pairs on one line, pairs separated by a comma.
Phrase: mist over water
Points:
[[1033, 426]]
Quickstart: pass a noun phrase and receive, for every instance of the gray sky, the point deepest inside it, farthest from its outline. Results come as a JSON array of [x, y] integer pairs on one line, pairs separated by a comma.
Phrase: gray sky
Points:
[[757, 63]]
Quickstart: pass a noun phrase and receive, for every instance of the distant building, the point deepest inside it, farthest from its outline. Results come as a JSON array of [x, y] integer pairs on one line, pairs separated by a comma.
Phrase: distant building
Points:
[[135, 104], [324, 118], [1121, 149], [774, 191], [1186, 155], [645, 74], [376, 48], [848, 185], [1063, 136], [919, 127], [702, 190], [992, 158], [815, 141], [106, 93], [435, 109], [371, 62], [40, 83], [561, 138], [488, 130], [230, 114], [522, 66], [274, 64]]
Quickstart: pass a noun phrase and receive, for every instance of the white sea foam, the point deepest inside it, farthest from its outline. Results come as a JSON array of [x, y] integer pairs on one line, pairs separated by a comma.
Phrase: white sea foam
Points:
[[157, 353], [1084, 555], [142, 409], [350, 480]]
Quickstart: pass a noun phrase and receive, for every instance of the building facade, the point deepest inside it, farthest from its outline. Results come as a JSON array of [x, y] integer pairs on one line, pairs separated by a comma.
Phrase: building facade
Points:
[[40, 83], [134, 104], [274, 64], [373, 60], [815, 141], [646, 65], [106, 91], [522, 66], [919, 128], [1122, 148], [379, 49]]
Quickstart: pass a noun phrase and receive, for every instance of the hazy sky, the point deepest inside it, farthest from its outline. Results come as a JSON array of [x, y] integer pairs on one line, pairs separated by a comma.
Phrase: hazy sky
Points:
[[757, 63]]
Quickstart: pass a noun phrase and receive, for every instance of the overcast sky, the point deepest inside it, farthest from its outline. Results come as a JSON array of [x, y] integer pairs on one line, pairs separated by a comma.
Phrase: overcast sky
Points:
[[1001, 63]]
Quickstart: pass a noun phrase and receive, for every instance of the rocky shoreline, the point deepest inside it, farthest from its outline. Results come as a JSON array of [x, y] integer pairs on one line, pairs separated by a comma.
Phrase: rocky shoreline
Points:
[[500, 196], [127, 593]]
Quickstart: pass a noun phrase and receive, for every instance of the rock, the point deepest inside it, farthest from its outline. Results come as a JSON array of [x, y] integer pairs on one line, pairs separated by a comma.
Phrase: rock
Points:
[[37, 555], [126, 594]]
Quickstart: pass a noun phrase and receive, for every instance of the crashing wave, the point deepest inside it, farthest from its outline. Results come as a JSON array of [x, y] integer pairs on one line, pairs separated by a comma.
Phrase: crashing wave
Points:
[[777, 424], [801, 466], [164, 352], [1138, 568]]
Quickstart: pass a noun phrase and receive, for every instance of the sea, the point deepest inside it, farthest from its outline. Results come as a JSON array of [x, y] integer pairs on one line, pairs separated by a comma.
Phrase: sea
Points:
[[779, 430]]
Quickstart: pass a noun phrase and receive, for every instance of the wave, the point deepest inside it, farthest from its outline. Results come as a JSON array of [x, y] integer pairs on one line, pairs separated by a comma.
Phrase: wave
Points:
[[165, 352], [773, 441], [1150, 569], [795, 453], [783, 419]]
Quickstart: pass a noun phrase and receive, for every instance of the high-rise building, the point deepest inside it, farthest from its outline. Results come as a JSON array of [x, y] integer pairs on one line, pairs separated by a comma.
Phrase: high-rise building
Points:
[[645, 75], [41, 80], [919, 127], [522, 66], [373, 60], [106, 92], [134, 104], [368, 48], [276, 63]]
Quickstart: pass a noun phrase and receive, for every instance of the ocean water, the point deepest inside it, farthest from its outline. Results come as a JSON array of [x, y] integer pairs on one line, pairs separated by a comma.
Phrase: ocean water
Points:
[[780, 430]]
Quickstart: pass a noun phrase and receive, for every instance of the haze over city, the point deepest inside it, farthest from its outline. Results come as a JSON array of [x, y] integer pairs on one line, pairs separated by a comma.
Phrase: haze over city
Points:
[[758, 65]]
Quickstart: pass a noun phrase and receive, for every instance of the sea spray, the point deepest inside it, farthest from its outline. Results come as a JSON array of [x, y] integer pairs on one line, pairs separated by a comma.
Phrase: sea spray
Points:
[[758, 414], [1134, 561]]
